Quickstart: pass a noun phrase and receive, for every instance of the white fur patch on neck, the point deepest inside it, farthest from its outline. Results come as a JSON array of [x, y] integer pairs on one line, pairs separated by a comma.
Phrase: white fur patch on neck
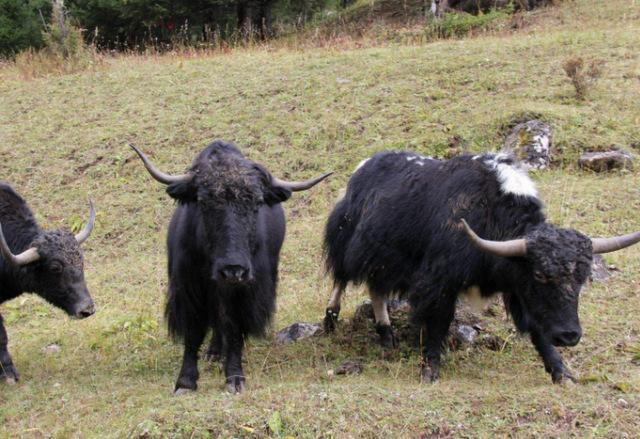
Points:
[[360, 165], [513, 179]]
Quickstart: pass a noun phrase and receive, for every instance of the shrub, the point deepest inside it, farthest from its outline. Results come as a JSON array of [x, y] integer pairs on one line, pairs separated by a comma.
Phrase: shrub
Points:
[[583, 77], [460, 24]]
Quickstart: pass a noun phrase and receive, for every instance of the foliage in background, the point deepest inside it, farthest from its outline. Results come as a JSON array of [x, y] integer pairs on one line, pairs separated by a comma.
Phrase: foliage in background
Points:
[[64, 49], [21, 24], [456, 25]]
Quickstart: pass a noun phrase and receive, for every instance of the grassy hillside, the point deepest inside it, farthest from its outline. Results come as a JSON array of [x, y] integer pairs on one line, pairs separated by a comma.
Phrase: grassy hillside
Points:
[[63, 139]]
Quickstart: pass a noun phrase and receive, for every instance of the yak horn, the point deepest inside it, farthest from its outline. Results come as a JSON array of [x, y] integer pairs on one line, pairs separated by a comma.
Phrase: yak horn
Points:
[[86, 231], [295, 186], [26, 257], [514, 247], [158, 174], [606, 245]]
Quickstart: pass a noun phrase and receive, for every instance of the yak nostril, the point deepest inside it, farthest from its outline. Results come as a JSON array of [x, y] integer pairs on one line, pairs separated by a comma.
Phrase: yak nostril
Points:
[[86, 312], [235, 273], [568, 338]]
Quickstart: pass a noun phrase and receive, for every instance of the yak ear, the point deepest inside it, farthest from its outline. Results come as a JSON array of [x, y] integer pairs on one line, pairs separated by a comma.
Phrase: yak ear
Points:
[[276, 194], [184, 192], [273, 194]]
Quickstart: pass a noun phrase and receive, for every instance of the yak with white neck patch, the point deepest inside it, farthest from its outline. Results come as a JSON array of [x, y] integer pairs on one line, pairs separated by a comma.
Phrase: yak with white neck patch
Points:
[[47, 263], [223, 246], [410, 229]]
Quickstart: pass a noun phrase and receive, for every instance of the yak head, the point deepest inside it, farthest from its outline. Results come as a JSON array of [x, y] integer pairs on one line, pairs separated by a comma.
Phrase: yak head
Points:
[[554, 264], [229, 191], [52, 267]]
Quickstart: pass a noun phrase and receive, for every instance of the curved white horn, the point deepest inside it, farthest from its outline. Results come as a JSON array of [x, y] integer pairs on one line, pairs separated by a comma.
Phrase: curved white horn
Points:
[[86, 231], [158, 174], [511, 248], [295, 186], [26, 257]]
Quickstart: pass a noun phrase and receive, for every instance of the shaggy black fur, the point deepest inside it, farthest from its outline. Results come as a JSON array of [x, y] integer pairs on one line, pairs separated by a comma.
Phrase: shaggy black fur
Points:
[[398, 230], [57, 276], [224, 243]]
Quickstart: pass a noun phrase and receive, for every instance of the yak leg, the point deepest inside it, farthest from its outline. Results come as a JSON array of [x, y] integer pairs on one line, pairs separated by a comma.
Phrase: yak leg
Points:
[[333, 309], [216, 346], [383, 323], [7, 369], [188, 377], [233, 357], [437, 320], [552, 360]]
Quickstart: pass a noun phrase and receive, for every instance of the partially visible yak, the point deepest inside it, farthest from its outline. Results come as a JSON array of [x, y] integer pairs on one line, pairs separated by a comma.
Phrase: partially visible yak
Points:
[[48, 263], [483, 6], [224, 243], [400, 228]]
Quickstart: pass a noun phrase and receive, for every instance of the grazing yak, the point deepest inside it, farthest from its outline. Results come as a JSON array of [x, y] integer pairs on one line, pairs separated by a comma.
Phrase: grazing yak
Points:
[[48, 263], [411, 225], [223, 246]]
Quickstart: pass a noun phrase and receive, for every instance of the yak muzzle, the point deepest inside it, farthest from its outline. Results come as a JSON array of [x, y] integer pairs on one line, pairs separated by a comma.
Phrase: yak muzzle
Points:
[[84, 309], [566, 337], [234, 274]]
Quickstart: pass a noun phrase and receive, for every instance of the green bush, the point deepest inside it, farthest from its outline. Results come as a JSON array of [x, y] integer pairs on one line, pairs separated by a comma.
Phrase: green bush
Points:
[[460, 24]]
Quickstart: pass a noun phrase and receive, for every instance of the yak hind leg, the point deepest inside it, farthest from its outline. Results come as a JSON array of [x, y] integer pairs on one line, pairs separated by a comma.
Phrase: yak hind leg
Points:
[[333, 309], [8, 371], [388, 339], [188, 377], [216, 347]]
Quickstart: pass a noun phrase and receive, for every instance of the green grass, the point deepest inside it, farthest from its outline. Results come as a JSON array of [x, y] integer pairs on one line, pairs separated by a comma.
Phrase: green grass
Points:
[[64, 139]]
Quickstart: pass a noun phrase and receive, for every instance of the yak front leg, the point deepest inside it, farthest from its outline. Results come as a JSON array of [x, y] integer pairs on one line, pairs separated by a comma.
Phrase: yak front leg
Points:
[[552, 360], [7, 370], [333, 309], [188, 377], [233, 358], [383, 323]]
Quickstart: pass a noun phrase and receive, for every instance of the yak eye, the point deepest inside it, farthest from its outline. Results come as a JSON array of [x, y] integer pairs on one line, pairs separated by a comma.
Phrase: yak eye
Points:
[[55, 267], [540, 277]]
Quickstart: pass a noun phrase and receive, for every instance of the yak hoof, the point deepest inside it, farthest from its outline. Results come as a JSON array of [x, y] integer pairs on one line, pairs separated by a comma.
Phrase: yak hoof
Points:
[[212, 357], [388, 339], [331, 319], [564, 378], [429, 374], [10, 375], [182, 391], [235, 385]]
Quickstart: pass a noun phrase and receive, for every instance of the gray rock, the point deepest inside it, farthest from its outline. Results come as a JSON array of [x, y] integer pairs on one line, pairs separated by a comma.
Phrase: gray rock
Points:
[[364, 311], [606, 160], [599, 270], [465, 335], [349, 368], [531, 143], [297, 331], [51, 349]]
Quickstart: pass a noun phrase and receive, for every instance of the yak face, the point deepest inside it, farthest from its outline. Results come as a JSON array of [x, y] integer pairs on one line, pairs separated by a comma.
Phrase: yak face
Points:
[[558, 262], [229, 191], [58, 276]]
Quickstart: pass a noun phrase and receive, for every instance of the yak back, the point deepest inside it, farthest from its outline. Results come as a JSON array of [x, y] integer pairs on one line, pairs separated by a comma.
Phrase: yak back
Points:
[[398, 226]]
